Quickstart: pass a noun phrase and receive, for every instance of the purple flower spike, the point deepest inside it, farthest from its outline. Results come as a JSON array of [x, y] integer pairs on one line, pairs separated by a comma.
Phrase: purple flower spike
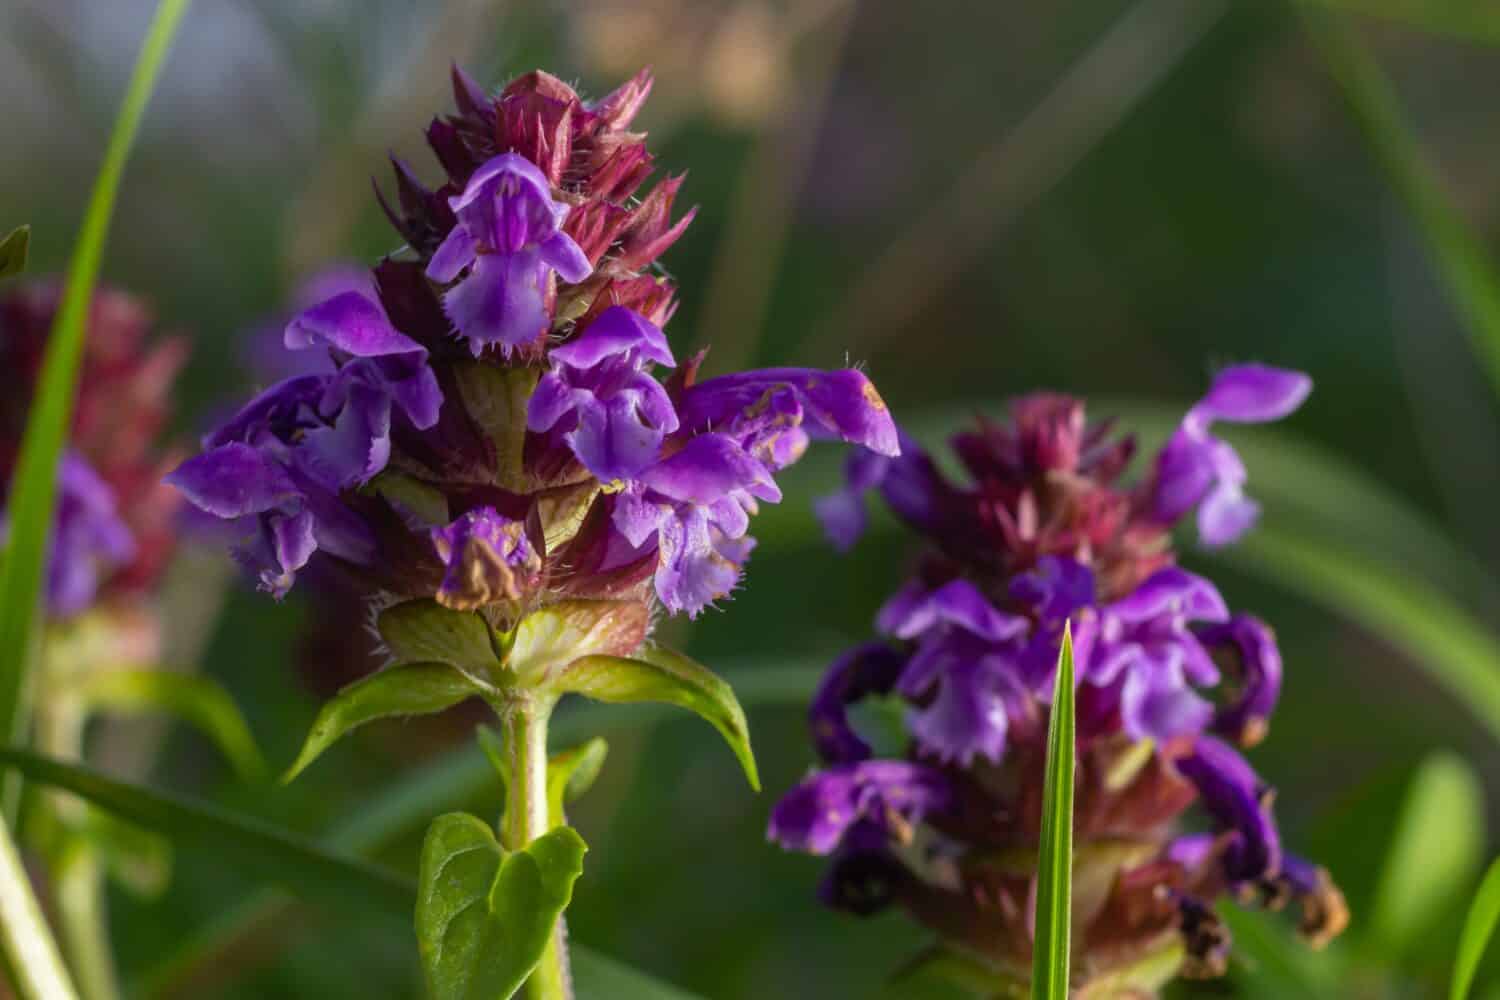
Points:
[[1235, 796], [891, 795], [868, 669], [487, 558], [89, 538], [1196, 469], [508, 237], [1252, 647], [613, 414]]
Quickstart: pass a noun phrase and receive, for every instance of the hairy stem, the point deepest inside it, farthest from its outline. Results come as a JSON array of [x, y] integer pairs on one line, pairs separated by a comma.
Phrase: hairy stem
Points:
[[525, 724]]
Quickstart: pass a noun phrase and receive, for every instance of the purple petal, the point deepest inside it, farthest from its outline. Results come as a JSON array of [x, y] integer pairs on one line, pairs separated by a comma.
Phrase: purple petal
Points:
[[500, 302], [1161, 707], [457, 252], [842, 403], [484, 556], [1171, 591], [1225, 515], [707, 468], [695, 568], [1054, 589], [357, 446], [617, 330], [842, 513], [1252, 393], [915, 610], [482, 183], [560, 253], [353, 324], [815, 816], [611, 440], [1250, 644], [967, 716], [234, 480], [1239, 801], [870, 668]]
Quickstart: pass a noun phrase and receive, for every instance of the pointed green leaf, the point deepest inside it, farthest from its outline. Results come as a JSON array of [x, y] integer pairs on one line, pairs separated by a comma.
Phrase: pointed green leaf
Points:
[[549, 639], [283, 859], [1479, 927], [33, 490], [410, 689], [423, 631], [1437, 848], [196, 700], [658, 674], [1050, 955], [571, 773], [483, 916], [13, 251]]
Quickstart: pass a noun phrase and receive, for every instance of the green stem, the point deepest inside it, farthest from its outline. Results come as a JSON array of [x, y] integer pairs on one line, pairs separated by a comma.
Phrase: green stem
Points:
[[33, 957], [79, 890], [525, 724]]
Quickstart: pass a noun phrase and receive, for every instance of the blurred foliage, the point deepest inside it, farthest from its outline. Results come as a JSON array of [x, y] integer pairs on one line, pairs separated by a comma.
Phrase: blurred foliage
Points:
[[1226, 204]]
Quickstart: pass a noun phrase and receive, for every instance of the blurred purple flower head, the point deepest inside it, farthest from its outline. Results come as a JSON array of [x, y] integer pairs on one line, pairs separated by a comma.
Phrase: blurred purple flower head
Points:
[[492, 429], [114, 526], [1042, 531]]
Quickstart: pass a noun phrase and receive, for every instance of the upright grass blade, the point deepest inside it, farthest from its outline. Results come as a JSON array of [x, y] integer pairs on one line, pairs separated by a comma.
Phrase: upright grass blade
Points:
[[1054, 903], [1461, 19], [1479, 927], [1462, 262], [34, 488], [31, 954]]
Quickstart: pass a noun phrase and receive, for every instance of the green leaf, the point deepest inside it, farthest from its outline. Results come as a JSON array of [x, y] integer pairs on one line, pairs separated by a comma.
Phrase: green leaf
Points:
[[13, 251], [33, 492], [274, 855], [1050, 954], [484, 917], [662, 675], [496, 399], [571, 773], [1479, 927], [196, 700], [548, 640], [423, 631], [410, 689], [1463, 263], [1436, 849], [458, 776]]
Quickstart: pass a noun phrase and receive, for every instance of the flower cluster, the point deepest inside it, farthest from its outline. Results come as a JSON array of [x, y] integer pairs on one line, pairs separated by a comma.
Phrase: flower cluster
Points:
[[1169, 681], [493, 430], [114, 529]]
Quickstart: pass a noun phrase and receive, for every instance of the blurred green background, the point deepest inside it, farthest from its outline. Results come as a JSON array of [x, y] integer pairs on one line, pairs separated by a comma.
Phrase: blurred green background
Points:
[[972, 200]]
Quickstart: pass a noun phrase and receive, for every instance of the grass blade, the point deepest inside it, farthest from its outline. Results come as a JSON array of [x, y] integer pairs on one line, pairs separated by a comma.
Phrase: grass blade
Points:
[[33, 490], [1447, 642], [1479, 927], [30, 951], [1437, 847], [1463, 265], [1463, 20], [300, 865], [1054, 904]]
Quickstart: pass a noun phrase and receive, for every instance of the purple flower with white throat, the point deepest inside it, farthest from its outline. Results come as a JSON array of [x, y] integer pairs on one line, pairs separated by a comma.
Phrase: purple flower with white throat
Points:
[[509, 238], [1196, 469]]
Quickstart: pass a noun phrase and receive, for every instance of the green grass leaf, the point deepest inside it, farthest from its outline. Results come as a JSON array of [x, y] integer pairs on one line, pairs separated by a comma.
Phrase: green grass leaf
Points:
[[34, 486], [663, 675], [409, 689], [13, 251], [280, 858], [1463, 264], [1479, 927], [1050, 959], [485, 916], [1466, 20], [1437, 847], [199, 701]]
